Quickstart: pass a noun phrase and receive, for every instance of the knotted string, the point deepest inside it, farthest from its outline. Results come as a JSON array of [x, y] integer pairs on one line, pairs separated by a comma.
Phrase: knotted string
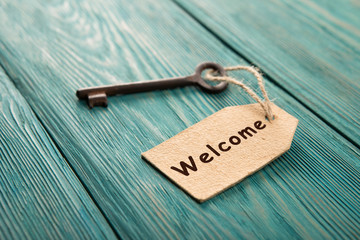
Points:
[[264, 104]]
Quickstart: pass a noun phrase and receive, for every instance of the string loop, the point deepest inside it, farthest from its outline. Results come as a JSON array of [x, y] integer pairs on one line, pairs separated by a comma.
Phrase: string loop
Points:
[[265, 104]]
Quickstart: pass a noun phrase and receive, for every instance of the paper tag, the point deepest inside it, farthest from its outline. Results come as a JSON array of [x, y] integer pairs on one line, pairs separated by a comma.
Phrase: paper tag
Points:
[[223, 149]]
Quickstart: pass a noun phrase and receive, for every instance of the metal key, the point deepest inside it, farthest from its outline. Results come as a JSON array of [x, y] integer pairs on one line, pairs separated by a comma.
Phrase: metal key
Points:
[[97, 96]]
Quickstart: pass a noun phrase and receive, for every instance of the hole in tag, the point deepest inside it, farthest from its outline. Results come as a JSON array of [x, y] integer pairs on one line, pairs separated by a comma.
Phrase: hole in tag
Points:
[[267, 119]]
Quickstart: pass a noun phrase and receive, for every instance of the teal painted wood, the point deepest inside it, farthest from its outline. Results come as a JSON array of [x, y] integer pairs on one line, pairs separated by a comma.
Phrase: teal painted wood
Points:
[[53, 48], [311, 48], [40, 196]]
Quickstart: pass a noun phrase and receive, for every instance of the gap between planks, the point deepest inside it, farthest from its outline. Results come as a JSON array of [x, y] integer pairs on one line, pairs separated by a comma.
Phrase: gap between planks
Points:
[[2, 67]]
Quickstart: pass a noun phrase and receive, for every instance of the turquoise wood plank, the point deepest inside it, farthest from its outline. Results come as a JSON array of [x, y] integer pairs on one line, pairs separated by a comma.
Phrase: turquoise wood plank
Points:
[[310, 48], [53, 48], [40, 196]]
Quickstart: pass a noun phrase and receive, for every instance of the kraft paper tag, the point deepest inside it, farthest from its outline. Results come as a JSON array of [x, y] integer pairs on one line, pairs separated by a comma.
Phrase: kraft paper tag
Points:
[[223, 149]]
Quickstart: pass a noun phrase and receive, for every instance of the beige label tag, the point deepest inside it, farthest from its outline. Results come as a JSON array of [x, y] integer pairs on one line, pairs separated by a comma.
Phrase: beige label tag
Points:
[[223, 149]]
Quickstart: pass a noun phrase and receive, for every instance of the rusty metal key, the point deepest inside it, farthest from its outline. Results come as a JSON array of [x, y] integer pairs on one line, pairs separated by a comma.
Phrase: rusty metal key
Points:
[[97, 96]]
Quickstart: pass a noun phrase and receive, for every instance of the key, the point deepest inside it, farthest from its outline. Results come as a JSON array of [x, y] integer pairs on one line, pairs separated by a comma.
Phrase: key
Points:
[[97, 96]]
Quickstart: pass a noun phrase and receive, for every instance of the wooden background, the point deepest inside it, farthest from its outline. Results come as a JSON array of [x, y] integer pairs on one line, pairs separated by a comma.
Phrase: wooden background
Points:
[[74, 173]]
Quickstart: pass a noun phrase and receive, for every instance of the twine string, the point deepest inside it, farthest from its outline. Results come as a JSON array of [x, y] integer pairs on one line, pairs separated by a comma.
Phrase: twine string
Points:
[[265, 104]]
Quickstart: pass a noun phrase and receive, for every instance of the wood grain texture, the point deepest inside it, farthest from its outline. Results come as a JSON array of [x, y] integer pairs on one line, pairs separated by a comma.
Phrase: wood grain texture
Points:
[[311, 48], [40, 196], [50, 49]]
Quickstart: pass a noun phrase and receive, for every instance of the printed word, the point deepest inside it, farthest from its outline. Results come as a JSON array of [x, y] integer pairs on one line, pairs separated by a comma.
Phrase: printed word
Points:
[[207, 157]]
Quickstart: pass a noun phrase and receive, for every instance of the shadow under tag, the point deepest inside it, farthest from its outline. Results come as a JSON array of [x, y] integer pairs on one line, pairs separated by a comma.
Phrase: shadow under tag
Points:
[[223, 149]]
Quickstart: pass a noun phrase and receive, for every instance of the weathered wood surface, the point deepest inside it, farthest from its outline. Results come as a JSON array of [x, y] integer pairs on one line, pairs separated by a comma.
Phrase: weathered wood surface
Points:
[[50, 49], [310, 48], [40, 196]]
